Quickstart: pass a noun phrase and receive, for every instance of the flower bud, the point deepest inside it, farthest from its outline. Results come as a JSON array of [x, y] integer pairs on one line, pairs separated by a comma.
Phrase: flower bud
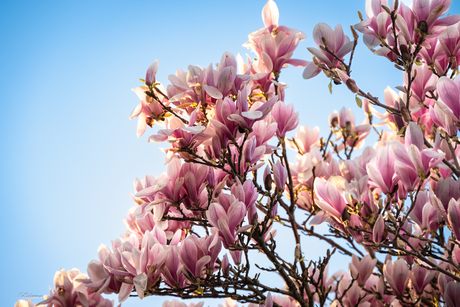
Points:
[[225, 266], [451, 294], [150, 74], [267, 179], [297, 252], [351, 84], [236, 256], [269, 300], [280, 175], [379, 231]]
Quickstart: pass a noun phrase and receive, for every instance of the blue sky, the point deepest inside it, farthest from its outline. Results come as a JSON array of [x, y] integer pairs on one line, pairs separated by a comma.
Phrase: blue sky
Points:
[[69, 152]]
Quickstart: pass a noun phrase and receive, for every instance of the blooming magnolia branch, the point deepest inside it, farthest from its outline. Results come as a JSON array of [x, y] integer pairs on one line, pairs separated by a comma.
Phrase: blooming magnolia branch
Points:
[[393, 209]]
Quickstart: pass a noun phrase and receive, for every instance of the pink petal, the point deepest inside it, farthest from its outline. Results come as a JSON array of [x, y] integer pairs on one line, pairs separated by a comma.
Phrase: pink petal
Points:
[[270, 14]]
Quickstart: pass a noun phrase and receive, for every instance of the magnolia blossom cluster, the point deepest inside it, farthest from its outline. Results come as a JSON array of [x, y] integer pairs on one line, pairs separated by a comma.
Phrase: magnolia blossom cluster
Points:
[[393, 208], [70, 291]]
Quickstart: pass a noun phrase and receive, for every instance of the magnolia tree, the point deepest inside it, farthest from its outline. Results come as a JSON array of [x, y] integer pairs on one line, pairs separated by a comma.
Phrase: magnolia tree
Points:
[[199, 230]]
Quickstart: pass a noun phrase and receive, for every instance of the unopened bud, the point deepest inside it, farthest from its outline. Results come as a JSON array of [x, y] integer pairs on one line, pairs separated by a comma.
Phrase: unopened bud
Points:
[[386, 8], [423, 26], [268, 179], [405, 114], [405, 54], [150, 74], [379, 233], [297, 252], [225, 265], [324, 41], [255, 219], [351, 84]]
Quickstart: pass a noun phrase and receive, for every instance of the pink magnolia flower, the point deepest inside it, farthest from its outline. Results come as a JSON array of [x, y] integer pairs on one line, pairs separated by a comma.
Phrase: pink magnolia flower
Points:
[[247, 193], [143, 262], [236, 256], [177, 303], [275, 44], [449, 94], [446, 189], [450, 41], [429, 11], [251, 152], [101, 279], [181, 136], [172, 272], [355, 296], [347, 124], [442, 119], [443, 281], [305, 139], [284, 301], [302, 171], [405, 24], [244, 116], [147, 110], [230, 116], [379, 231], [434, 55], [151, 73], [422, 84], [404, 168], [452, 294], [362, 269], [397, 275], [424, 214], [382, 172], [337, 42], [285, 117], [280, 175], [423, 159], [420, 278], [226, 220], [69, 291], [453, 215], [377, 23], [330, 198], [263, 132], [195, 254], [23, 303]]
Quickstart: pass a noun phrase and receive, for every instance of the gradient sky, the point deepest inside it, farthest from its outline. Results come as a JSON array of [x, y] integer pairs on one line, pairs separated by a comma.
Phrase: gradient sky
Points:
[[69, 152]]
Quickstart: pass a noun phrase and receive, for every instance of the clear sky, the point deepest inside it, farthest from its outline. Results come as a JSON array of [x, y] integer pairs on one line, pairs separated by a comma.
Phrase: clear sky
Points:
[[69, 152]]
